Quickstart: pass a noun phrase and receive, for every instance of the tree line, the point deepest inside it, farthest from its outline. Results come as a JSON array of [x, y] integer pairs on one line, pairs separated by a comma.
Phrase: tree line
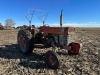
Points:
[[9, 23]]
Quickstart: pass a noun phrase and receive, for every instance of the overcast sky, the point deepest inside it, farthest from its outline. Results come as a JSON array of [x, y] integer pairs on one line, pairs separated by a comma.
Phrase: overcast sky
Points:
[[82, 13]]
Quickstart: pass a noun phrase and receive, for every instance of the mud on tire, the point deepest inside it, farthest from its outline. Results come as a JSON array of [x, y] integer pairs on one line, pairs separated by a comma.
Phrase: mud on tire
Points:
[[25, 42]]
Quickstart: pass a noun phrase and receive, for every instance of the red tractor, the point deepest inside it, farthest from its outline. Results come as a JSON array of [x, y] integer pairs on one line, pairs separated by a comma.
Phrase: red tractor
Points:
[[49, 37], [30, 37]]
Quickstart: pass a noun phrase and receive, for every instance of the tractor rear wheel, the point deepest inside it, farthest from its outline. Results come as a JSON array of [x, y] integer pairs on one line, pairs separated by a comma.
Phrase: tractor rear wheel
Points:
[[52, 60], [25, 42]]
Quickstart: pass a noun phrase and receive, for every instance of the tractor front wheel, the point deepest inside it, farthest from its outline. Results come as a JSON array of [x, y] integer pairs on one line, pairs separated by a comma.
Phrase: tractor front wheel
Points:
[[52, 60]]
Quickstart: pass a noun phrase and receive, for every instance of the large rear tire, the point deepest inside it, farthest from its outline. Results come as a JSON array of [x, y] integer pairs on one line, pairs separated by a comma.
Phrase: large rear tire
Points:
[[25, 42]]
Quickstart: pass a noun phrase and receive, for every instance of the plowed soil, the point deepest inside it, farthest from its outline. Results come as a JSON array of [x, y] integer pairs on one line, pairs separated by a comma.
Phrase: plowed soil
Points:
[[12, 62]]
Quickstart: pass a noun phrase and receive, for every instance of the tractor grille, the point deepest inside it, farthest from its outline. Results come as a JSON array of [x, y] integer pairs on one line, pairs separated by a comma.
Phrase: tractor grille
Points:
[[67, 39]]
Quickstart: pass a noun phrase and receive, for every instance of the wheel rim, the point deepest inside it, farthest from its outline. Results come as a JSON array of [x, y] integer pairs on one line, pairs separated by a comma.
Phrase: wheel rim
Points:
[[52, 60], [22, 42]]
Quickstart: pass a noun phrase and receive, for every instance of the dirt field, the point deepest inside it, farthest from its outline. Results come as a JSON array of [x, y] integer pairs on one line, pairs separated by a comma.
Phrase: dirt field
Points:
[[14, 63]]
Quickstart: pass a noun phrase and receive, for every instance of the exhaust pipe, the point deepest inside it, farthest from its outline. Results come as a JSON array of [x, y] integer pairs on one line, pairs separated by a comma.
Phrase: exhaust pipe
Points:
[[61, 18]]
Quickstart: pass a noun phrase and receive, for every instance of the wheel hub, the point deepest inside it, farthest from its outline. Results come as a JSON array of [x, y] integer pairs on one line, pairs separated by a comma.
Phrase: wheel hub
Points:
[[52, 60]]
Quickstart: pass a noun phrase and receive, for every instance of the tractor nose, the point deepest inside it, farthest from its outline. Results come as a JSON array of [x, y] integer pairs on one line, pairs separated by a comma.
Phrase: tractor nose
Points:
[[75, 48]]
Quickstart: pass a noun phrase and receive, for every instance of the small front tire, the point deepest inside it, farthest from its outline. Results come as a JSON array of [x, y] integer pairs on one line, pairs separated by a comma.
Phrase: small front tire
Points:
[[52, 60]]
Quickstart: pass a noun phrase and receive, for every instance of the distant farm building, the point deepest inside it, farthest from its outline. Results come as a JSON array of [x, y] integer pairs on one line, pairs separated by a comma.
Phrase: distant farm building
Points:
[[1, 26]]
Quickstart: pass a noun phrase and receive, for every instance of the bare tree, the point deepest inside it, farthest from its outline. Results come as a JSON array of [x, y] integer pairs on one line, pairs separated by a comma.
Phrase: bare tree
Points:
[[10, 23]]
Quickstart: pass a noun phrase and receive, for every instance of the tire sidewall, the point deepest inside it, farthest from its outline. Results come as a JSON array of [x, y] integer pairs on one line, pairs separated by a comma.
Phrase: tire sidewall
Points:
[[54, 55], [28, 38]]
